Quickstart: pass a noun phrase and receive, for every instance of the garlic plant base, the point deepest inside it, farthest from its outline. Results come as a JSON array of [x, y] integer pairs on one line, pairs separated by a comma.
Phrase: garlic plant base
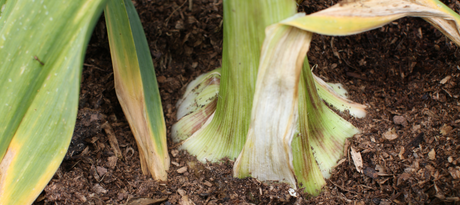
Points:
[[195, 112]]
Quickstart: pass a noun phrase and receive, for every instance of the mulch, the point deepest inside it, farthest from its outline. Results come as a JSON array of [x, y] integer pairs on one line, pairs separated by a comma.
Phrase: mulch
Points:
[[407, 73]]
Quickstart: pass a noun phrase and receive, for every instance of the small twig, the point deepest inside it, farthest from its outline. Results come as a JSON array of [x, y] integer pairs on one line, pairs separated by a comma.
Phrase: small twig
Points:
[[343, 189], [93, 66], [112, 139], [170, 15]]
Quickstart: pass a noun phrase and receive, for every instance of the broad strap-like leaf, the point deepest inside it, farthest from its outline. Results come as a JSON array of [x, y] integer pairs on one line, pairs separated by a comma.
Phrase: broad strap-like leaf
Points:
[[42, 46], [136, 86], [356, 16]]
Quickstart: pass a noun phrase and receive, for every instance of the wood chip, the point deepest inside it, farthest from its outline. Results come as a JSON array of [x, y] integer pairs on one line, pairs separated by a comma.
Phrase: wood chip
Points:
[[145, 201], [390, 134], [182, 170], [207, 183], [454, 172], [94, 173], [415, 128], [81, 197], [185, 200], [101, 170], [357, 159], [112, 162], [174, 152], [401, 153], [370, 172], [445, 129], [414, 143], [98, 189], [444, 80], [402, 177], [181, 192], [432, 155]]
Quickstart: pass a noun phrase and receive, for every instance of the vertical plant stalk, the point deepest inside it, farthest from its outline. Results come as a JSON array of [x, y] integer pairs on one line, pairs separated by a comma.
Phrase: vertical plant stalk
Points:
[[267, 154], [244, 27], [42, 47], [136, 86]]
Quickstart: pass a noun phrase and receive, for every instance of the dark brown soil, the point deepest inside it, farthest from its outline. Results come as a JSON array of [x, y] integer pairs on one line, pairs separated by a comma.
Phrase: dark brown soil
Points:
[[407, 74]]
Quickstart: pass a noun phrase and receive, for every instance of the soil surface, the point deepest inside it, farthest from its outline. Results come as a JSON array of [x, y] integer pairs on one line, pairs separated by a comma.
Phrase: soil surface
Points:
[[407, 73]]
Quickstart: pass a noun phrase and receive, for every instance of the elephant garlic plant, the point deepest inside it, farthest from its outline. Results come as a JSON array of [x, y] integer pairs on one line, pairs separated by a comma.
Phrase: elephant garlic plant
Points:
[[269, 112]]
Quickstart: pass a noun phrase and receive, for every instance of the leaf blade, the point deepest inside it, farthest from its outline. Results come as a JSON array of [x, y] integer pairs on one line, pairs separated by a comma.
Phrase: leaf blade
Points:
[[136, 86], [40, 72]]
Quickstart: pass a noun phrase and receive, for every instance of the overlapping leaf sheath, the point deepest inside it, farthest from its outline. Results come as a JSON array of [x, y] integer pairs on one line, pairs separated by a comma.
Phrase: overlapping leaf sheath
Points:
[[267, 154], [42, 46], [136, 86], [320, 130], [196, 109]]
